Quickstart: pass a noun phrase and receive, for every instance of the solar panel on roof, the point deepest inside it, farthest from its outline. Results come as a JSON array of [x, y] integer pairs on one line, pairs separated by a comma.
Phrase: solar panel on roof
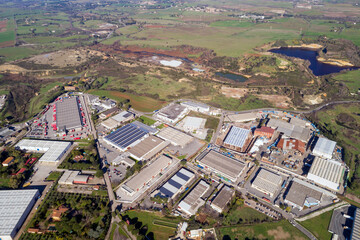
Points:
[[182, 176], [175, 184], [166, 192], [126, 135]]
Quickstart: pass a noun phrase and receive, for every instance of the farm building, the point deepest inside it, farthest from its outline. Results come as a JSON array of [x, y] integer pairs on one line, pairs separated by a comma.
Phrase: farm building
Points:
[[172, 113], [15, 205], [327, 173], [224, 166], [236, 139], [264, 132], [242, 117], [148, 148], [126, 136], [177, 183], [140, 180], [193, 201], [291, 144], [193, 123], [290, 130], [175, 137], [300, 194], [222, 199], [53, 150], [68, 115], [324, 148], [196, 107], [267, 182]]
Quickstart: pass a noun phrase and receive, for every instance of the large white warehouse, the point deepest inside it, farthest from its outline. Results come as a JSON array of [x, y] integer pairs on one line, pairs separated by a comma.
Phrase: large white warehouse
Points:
[[15, 206], [324, 148]]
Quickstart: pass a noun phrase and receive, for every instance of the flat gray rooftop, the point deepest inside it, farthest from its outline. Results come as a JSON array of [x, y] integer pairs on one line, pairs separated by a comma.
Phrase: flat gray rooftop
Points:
[[68, 114], [172, 111], [297, 193], [147, 146], [224, 196]]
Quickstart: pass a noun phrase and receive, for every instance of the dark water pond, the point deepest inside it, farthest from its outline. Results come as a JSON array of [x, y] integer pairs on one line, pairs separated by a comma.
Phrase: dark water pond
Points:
[[318, 68], [231, 76]]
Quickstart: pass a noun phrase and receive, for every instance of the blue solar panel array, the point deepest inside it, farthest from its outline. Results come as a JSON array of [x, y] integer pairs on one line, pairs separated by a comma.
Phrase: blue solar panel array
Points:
[[172, 185], [126, 135]]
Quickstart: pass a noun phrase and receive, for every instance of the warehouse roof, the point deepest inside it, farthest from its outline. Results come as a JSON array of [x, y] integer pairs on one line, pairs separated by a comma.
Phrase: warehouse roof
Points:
[[194, 122], [68, 177], [13, 205], [126, 135], [123, 116], [175, 136], [290, 130], [324, 147], [242, 117], [175, 183], [355, 233], [298, 192], [68, 114], [172, 111], [110, 111], [53, 149], [223, 164], [237, 136], [223, 197], [110, 123], [196, 105], [299, 122], [267, 180], [145, 127], [193, 201], [148, 147], [81, 178], [327, 169], [146, 174]]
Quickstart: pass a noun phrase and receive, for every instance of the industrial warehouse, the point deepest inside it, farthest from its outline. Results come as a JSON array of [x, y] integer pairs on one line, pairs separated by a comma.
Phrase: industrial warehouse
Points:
[[193, 201], [236, 139], [327, 173], [140, 180], [290, 130], [226, 167], [324, 148], [126, 136], [175, 137], [222, 199], [172, 113], [53, 150], [148, 148], [68, 114], [15, 205], [176, 183], [267, 182], [117, 120]]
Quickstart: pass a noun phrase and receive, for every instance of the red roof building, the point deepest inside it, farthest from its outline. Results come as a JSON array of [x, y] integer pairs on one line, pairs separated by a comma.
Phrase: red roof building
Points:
[[264, 132], [291, 144]]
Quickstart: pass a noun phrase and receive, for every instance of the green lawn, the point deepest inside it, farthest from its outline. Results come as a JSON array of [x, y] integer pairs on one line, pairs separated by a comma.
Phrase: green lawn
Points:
[[270, 230], [251, 102], [319, 225], [146, 120], [351, 79], [54, 176], [244, 214], [148, 218]]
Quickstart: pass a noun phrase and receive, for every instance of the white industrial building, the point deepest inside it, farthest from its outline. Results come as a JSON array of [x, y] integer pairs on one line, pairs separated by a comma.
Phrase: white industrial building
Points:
[[324, 148], [68, 177], [193, 123], [327, 173], [267, 182], [243, 117], [193, 201], [172, 113], [196, 107], [53, 150], [175, 137], [15, 205]]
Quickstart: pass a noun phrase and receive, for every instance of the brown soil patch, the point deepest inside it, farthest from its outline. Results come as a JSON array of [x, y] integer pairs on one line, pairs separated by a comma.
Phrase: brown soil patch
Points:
[[65, 58], [7, 44], [3, 25], [278, 101], [279, 233], [14, 69], [313, 99], [234, 92], [184, 80]]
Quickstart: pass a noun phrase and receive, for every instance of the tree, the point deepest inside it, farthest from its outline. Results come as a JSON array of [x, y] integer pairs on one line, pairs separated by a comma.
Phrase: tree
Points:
[[99, 173], [14, 182]]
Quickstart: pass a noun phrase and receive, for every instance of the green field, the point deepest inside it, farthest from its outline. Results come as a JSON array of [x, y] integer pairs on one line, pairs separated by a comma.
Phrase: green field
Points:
[[231, 24], [351, 79], [54, 176], [251, 102], [140, 103], [149, 218], [146, 120], [319, 225], [244, 215], [272, 230]]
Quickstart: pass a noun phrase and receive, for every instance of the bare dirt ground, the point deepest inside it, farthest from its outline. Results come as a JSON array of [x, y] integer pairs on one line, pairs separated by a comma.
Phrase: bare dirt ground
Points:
[[279, 233], [3, 25], [66, 58], [278, 101], [10, 68], [313, 99], [234, 92]]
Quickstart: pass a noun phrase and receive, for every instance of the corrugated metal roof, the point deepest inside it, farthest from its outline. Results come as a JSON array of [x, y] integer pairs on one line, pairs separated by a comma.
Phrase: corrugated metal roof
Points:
[[267, 181], [355, 234], [324, 147], [327, 169], [68, 114], [237, 136], [177, 181]]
